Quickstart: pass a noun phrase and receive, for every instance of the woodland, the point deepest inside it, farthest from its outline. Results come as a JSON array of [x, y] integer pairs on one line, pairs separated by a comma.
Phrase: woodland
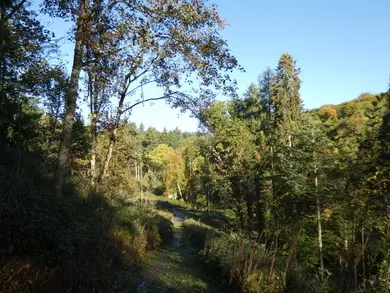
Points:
[[266, 196]]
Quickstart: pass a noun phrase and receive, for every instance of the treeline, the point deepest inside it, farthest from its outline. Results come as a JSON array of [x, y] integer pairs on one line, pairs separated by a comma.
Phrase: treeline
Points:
[[311, 188]]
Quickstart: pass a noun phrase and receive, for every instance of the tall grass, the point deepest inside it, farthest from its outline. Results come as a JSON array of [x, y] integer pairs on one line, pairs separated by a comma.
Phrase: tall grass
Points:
[[244, 261]]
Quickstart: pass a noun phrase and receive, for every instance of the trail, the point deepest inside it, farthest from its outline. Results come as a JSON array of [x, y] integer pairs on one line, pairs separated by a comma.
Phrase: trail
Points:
[[172, 269]]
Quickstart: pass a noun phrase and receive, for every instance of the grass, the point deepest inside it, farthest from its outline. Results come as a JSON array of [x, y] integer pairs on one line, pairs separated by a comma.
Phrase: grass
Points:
[[179, 270], [220, 219]]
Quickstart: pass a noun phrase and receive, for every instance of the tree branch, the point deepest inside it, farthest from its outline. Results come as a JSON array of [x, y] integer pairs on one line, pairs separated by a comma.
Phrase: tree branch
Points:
[[141, 85], [145, 71], [147, 100]]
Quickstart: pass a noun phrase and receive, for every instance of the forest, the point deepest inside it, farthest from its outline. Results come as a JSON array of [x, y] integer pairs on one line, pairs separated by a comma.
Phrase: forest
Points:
[[266, 196]]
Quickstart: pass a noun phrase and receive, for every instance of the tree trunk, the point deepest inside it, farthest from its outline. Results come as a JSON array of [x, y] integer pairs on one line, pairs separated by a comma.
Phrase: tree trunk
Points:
[[71, 100], [136, 170], [141, 182], [2, 50], [179, 189], [318, 203], [93, 150], [114, 130], [319, 224], [109, 155], [363, 261]]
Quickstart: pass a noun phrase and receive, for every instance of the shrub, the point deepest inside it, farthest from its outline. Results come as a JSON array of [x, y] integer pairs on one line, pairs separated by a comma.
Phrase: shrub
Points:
[[244, 261]]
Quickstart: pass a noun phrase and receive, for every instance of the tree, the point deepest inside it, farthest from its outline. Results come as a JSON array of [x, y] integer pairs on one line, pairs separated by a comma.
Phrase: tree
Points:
[[169, 45], [78, 11], [233, 156], [22, 48], [287, 107], [286, 101], [174, 179]]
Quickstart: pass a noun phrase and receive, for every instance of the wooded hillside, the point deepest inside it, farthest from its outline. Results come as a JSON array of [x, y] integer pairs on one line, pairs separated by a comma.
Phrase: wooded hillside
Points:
[[307, 191]]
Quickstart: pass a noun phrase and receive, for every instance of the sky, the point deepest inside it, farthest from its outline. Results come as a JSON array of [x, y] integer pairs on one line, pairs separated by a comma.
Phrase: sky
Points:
[[341, 46]]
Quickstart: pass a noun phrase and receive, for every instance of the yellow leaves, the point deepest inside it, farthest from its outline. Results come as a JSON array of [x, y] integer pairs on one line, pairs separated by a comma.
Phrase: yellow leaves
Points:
[[327, 113], [327, 213]]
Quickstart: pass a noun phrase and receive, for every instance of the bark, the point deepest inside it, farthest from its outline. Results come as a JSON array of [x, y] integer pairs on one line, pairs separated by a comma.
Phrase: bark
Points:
[[93, 108], [114, 131], [70, 106], [2, 49], [179, 189], [136, 170], [208, 201], [93, 150], [363, 261], [319, 222], [141, 182], [111, 145], [319, 225]]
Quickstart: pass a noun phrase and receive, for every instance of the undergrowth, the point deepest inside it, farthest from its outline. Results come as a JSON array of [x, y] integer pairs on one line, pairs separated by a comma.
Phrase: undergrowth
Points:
[[77, 243]]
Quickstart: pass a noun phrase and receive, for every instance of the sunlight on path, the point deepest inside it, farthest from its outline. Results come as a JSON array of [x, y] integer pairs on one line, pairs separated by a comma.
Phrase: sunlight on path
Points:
[[173, 269], [162, 260]]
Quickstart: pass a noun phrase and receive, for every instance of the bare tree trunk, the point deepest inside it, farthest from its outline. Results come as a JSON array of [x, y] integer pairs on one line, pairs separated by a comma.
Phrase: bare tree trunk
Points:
[[2, 50], [318, 203], [93, 150], [319, 224], [136, 170], [114, 130], [71, 100], [363, 261], [141, 182], [179, 189], [290, 149], [109, 155], [208, 201]]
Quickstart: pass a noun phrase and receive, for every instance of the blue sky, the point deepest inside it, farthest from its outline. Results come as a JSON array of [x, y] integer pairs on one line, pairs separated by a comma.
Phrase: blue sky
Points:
[[342, 48]]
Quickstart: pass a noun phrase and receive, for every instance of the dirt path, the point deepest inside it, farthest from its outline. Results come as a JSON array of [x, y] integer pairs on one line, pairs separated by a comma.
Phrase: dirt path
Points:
[[162, 261], [173, 269]]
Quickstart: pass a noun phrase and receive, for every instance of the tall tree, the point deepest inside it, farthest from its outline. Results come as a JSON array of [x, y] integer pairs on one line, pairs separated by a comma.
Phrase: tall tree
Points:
[[287, 107], [171, 45], [79, 12]]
